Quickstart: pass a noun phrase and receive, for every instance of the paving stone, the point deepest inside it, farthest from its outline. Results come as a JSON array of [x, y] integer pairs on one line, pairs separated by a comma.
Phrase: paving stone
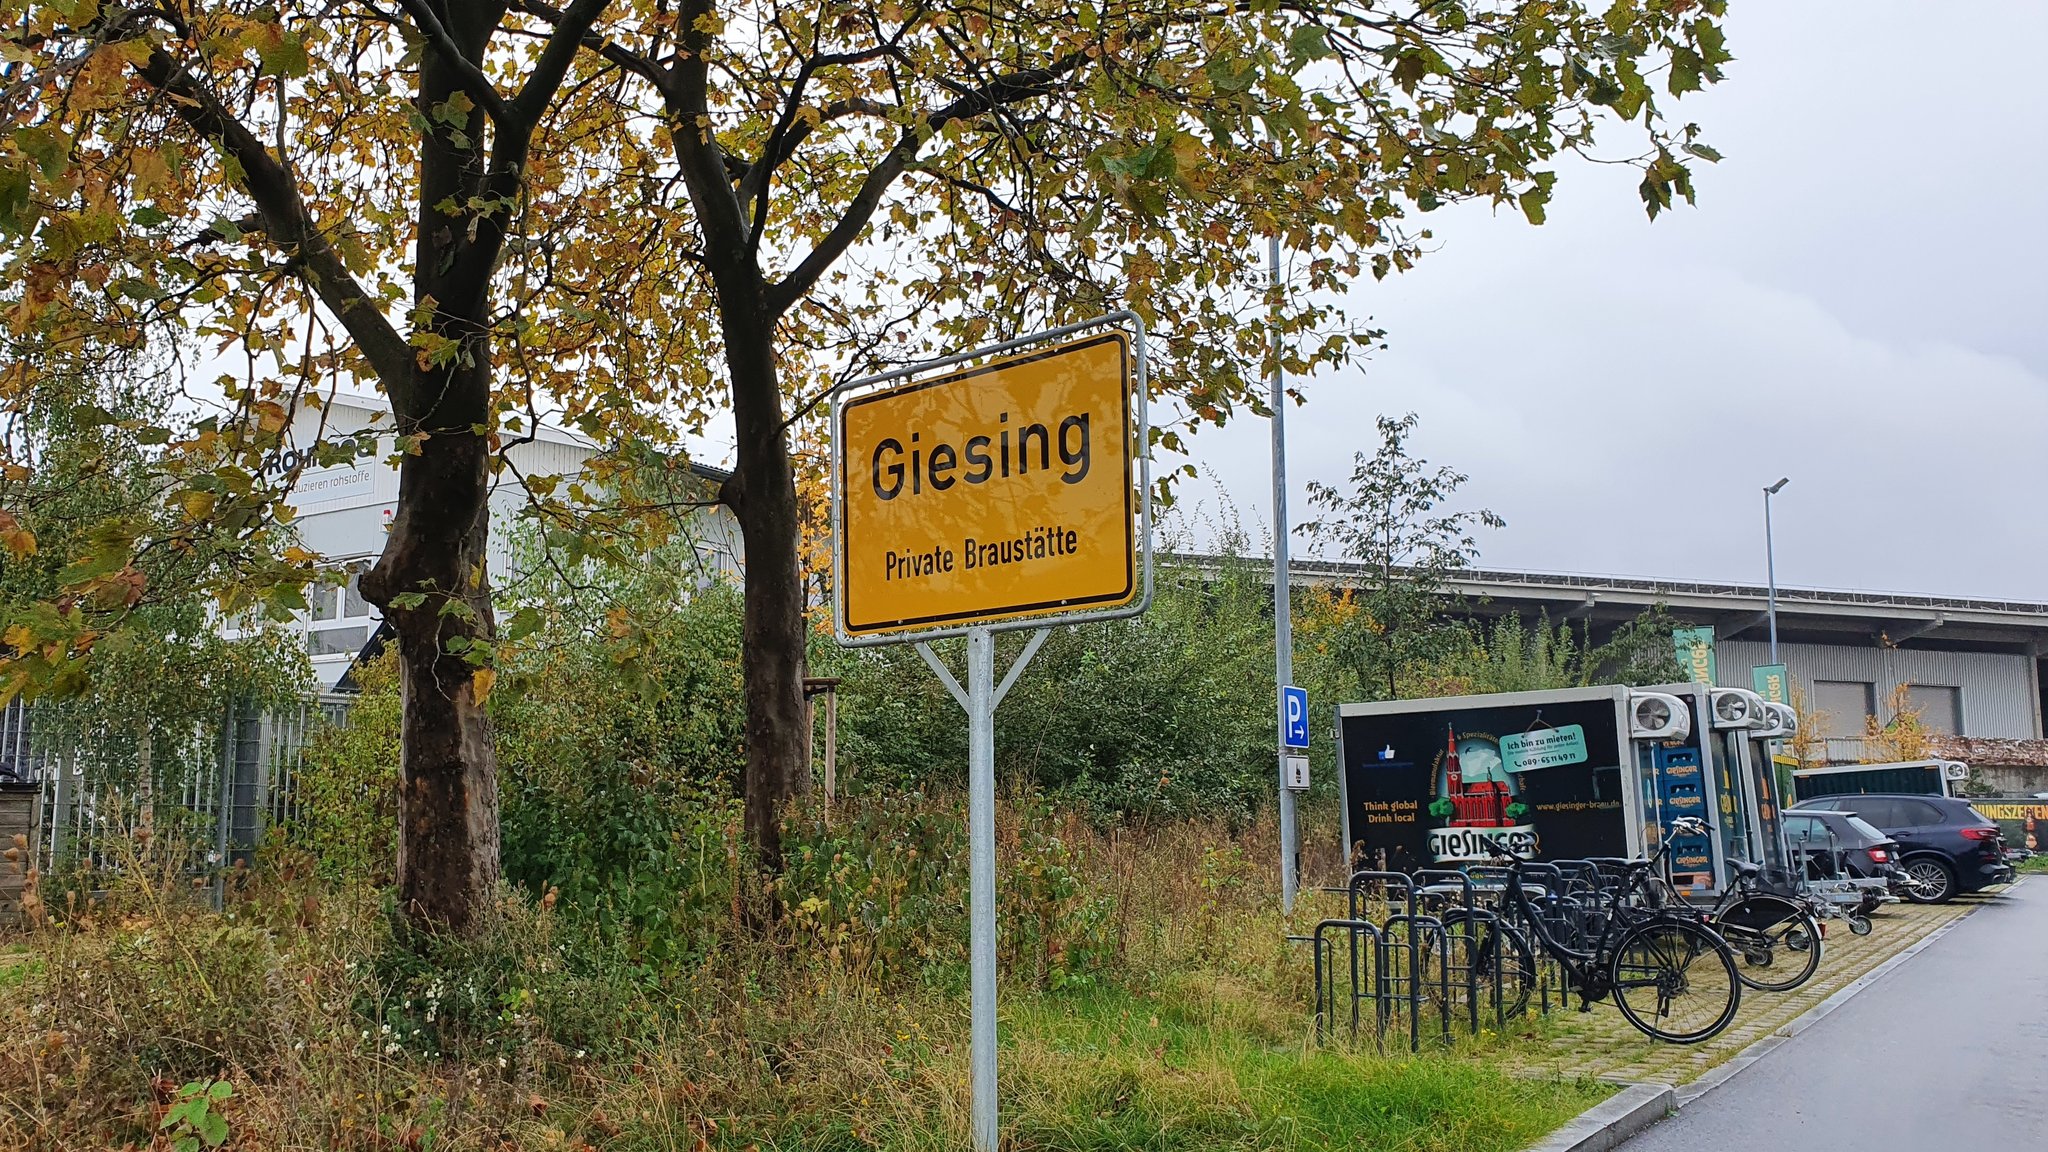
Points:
[[1602, 1044]]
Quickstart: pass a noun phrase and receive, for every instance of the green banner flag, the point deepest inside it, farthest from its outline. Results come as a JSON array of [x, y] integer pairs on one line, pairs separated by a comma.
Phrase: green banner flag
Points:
[[1769, 680], [1695, 647]]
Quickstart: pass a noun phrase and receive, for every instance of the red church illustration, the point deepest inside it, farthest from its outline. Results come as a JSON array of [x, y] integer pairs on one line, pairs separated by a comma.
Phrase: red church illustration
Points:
[[1480, 804]]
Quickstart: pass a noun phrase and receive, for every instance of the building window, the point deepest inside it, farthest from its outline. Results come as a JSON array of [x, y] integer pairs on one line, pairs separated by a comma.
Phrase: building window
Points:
[[336, 641], [1940, 707], [1845, 705], [353, 605]]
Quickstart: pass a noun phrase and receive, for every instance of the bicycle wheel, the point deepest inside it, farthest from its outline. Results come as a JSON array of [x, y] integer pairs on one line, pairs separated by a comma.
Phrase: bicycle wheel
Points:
[[1499, 957], [1675, 980], [1776, 941]]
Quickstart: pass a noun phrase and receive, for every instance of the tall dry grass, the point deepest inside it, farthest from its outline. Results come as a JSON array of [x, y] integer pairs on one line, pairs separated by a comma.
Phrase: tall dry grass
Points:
[[1148, 981]]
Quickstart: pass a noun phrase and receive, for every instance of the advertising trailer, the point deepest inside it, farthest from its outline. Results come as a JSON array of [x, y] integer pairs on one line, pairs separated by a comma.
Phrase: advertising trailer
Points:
[[1681, 776], [1753, 745], [1553, 774]]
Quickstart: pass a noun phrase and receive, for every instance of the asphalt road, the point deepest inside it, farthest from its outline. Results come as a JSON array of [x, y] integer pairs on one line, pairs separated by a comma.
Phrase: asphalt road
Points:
[[1946, 1053]]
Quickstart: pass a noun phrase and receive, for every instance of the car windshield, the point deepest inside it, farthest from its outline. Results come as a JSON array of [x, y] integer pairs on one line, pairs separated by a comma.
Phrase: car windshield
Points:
[[1865, 828]]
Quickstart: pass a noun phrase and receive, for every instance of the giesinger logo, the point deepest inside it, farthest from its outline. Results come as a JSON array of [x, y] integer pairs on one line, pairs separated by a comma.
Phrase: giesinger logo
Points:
[[1476, 800], [1448, 844]]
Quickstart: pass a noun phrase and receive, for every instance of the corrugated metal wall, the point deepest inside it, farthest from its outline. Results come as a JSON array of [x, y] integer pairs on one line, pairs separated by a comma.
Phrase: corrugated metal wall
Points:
[[1996, 688]]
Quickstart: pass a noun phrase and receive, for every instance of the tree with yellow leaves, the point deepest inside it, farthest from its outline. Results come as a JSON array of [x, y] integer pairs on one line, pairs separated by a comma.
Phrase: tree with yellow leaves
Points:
[[638, 215]]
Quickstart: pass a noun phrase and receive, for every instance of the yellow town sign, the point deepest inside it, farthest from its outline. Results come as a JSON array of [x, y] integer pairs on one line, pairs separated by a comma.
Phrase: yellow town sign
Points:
[[997, 492]]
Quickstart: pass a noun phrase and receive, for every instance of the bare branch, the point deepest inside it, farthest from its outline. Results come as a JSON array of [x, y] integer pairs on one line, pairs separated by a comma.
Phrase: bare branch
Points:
[[285, 216], [998, 92], [571, 29]]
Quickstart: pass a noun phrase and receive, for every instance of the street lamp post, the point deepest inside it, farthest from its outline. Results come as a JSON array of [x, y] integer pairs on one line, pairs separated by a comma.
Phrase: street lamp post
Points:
[[1283, 624], [1771, 565]]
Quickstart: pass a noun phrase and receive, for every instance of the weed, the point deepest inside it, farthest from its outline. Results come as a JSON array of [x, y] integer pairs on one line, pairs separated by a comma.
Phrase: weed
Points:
[[194, 1119]]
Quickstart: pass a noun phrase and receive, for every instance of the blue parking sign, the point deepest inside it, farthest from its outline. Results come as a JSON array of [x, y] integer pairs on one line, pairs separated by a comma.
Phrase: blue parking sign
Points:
[[1294, 732]]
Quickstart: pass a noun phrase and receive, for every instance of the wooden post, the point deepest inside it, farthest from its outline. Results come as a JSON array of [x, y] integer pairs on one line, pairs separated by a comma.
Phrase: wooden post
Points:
[[829, 685], [831, 745], [17, 847]]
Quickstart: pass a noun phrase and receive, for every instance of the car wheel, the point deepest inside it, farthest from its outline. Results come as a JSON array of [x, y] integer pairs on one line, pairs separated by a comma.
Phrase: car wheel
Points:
[[1934, 881]]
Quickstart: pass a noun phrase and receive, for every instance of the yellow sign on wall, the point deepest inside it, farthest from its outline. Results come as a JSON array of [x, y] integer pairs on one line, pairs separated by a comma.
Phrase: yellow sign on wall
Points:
[[997, 492]]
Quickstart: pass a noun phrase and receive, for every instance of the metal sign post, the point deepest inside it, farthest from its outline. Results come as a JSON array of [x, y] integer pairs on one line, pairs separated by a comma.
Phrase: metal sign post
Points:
[[1283, 597], [980, 699], [1011, 495]]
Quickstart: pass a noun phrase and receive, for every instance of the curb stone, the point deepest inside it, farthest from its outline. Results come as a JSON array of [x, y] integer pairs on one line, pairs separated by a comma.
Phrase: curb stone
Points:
[[1612, 1122]]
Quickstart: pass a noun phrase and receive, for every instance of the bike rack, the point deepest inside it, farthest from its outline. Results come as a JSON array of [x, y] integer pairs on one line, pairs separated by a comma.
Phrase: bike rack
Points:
[[1388, 881], [1412, 938], [1416, 930], [1354, 931]]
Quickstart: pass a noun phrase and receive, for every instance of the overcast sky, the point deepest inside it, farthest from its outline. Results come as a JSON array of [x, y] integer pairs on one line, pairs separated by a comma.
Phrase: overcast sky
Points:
[[1857, 302]]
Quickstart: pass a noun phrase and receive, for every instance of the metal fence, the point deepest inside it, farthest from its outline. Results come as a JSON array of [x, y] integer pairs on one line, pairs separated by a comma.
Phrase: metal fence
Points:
[[19, 762], [219, 788]]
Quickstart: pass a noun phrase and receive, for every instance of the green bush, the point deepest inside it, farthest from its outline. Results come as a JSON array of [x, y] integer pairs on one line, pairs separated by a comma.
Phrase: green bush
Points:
[[620, 741], [1166, 715], [881, 891], [347, 816], [1057, 928]]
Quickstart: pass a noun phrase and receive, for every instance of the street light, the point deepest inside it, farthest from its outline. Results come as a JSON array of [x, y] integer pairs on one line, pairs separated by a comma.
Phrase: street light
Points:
[[1283, 624], [1771, 564]]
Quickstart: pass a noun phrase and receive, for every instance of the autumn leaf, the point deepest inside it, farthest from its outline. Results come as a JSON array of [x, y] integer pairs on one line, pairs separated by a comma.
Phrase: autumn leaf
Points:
[[19, 541], [198, 504], [480, 683]]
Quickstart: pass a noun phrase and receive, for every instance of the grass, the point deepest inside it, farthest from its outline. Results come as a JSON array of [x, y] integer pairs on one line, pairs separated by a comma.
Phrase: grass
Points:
[[1157, 1007], [1181, 1071], [14, 968], [1193, 1066]]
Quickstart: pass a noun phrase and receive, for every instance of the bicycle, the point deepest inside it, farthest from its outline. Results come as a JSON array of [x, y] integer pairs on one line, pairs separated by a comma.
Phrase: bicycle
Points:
[[1762, 926], [1496, 960], [1673, 977], [1495, 969], [1759, 926]]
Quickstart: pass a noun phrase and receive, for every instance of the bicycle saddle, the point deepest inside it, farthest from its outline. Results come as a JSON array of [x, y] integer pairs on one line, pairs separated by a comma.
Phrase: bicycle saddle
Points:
[[1747, 870]]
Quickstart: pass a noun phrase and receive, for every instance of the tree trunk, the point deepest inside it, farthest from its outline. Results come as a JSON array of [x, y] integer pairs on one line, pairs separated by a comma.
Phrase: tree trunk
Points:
[[431, 581], [432, 586], [762, 494]]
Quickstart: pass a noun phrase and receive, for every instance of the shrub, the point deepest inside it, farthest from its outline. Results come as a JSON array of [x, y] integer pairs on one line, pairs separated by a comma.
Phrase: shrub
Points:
[[619, 748], [347, 817], [881, 890], [1163, 716]]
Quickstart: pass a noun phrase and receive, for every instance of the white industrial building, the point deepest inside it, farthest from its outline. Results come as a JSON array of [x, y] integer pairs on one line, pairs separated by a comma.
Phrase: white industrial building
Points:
[[344, 513]]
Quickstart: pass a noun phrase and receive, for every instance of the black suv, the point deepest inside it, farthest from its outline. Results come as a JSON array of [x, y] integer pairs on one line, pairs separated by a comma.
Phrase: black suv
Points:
[[1945, 845]]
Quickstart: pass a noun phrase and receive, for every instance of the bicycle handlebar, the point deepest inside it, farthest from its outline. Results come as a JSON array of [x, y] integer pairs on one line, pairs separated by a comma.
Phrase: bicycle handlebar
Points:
[[1496, 848]]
